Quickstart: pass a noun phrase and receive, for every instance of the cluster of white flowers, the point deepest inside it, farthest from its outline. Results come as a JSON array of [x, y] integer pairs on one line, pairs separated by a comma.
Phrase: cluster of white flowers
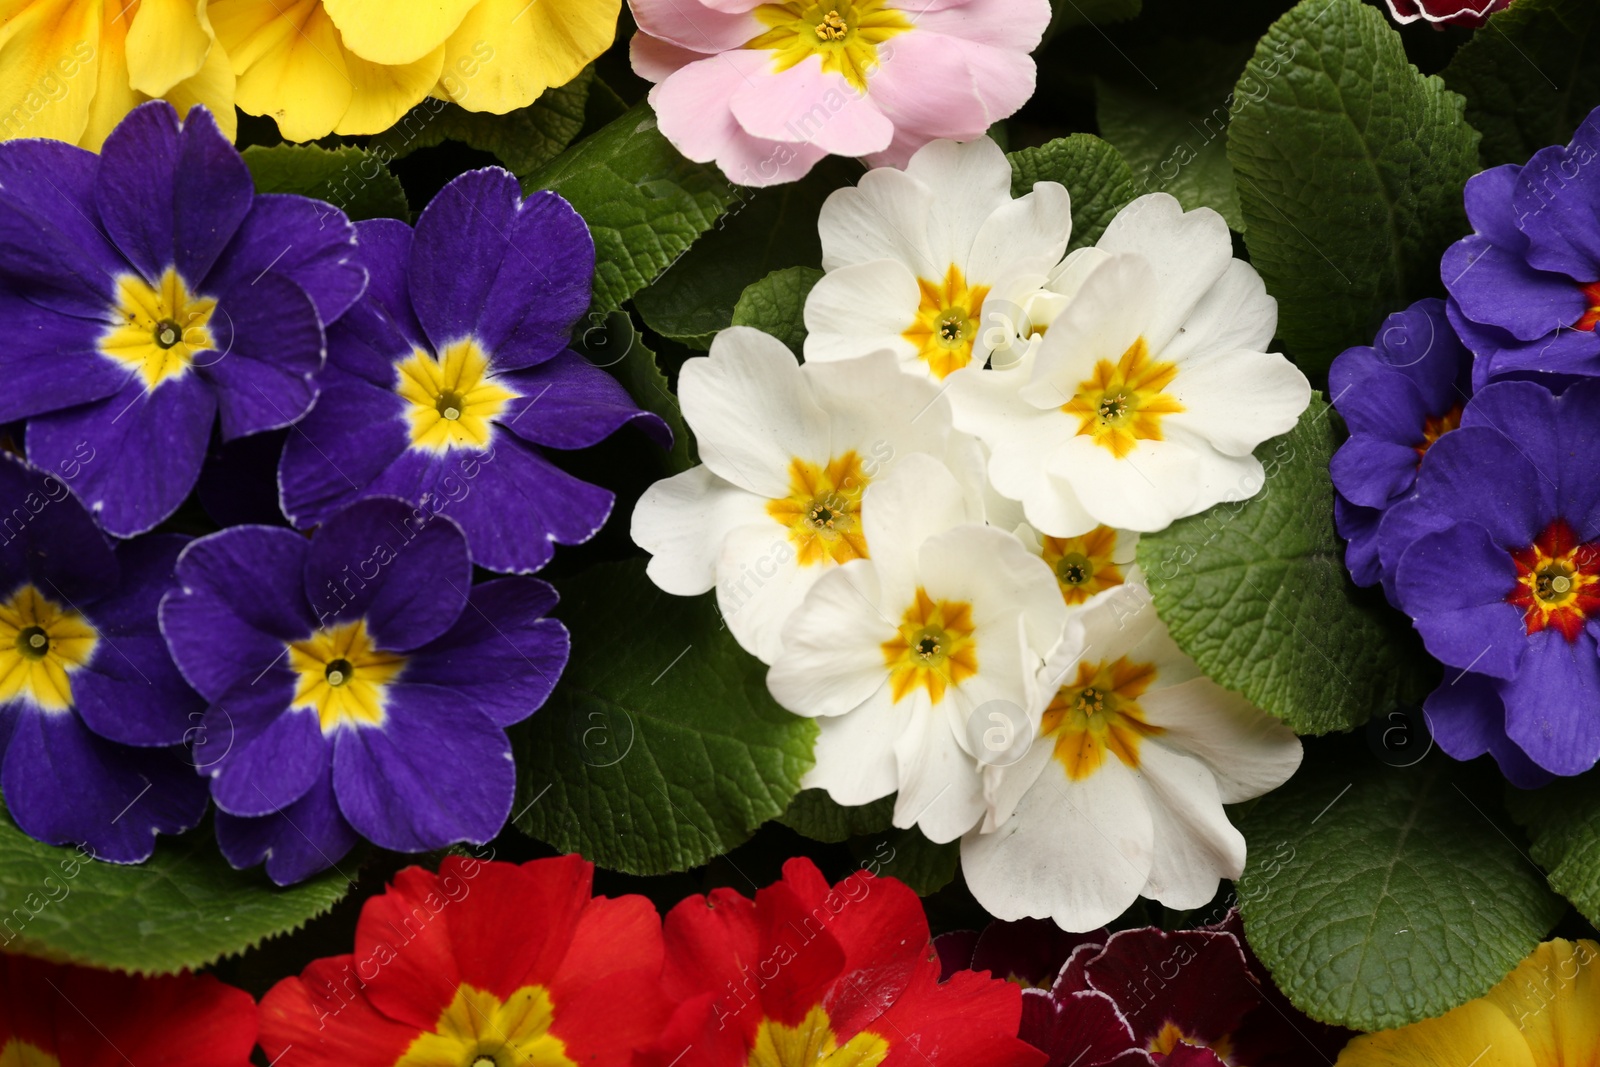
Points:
[[927, 529]]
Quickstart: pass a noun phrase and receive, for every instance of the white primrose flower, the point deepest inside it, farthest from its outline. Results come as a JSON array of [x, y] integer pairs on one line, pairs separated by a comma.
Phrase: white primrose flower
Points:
[[1121, 793], [787, 451], [904, 656], [934, 262], [1145, 396]]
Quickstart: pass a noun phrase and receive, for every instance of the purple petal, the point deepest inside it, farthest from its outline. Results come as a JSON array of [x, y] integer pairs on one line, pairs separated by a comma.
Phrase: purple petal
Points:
[[1552, 434], [47, 537], [1488, 199], [1083, 1028], [270, 350], [1359, 527], [306, 837], [517, 275], [65, 785], [1550, 704], [1453, 584], [381, 327], [405, 571], [240, 601], [310, 243], [1373, 472], [130, 691], [567, 402], [503, 657], [52, 253], [352, 435], [1399, 527], [262, 756], [1465, 715], [1492, 477], [170, 198], [1558, 206], [1495, 286], [147, 448], [512, 502], [51, 361], [424, 779]]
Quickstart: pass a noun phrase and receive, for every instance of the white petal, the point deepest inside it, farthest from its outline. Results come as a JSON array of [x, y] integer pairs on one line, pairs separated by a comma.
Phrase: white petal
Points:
[[969, 183], [1004, 582], [1235, 313], [832, 658], [1248, 751], [682, 522], [855, 753], [1115, 306], [1026, 235], [760, 583], [885, 216], [1236, 399], [1189, 252], [940, 789], [750, 411], [1195, 844], [861, 309], [1075, 852], [916, 499], [1144, 490]]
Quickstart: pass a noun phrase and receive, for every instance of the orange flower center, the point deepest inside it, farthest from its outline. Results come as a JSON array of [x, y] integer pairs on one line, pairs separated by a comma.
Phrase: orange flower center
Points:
[[1083, 565], [1558, 581], [1435, 427], [1124, 402], [1591, 293], [1099, 713], [934, 648]]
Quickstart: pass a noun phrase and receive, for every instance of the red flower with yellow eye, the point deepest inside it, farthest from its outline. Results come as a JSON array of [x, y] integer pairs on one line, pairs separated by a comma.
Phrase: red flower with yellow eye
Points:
[[480, 965], [59, 1016], [812, 975]]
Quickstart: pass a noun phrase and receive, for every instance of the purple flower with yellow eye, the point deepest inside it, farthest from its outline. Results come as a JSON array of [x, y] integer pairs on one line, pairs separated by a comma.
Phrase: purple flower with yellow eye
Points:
[[358, 683], [1498, 564], [93, 714], [451, 374], [1525, 287], [1398, 396], [150, 292]]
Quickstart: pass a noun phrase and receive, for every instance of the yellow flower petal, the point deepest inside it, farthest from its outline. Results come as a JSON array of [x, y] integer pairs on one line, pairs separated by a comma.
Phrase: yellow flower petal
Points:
[[213, 85], [49, 60], [290, 62], [1477, 1033], [113, 96], [167, 43], [1553, 997], [372, 30], [507, 52], [385, 93]]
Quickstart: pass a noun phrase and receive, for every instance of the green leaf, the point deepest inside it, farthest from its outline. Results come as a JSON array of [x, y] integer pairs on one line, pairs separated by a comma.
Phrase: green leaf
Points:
[[1256, 591], [1530, 77], [612, 342], [766, 230], [352, 180], [184, 908], [1094, 173], [910, 857], [645, 204], [1175, 138], [814, 814], [777, 305], [661, 747], [1378, 896], [1350, 169], [523, 140], [1563, 821]]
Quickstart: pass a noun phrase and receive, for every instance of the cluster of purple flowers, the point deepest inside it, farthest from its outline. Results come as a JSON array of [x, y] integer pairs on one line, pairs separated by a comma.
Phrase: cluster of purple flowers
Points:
[[328, 671], [1470, 488]]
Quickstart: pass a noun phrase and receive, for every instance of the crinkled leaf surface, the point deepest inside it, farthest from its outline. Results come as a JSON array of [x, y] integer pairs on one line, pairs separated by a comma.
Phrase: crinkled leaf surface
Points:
[[661, 746]]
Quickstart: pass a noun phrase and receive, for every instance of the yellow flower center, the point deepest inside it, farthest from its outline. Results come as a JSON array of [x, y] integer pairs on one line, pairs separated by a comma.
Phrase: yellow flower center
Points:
[[823, 509], [1099, 713], [158, 329], [947, 321], [343, 676], [1171, 1037], [845, 34], [814, 1044], [934, 647], [453, 397], [41, 645], [19, 1053], [477, 1030], [1084, 565], [1123, 403]]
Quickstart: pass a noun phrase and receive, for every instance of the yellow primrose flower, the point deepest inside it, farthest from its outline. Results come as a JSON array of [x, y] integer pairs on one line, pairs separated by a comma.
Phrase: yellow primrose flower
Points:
[[356, 66], [71, 69], [1546, 1013]]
